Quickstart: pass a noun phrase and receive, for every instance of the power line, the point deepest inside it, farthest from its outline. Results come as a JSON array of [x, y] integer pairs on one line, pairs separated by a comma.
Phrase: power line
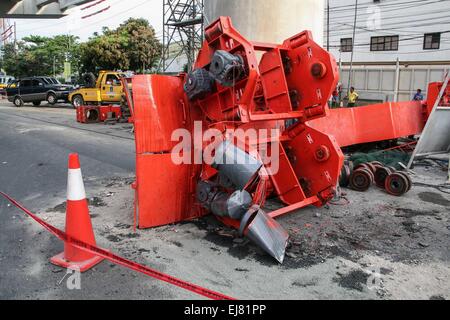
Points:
[[399, 40], [347, 31], [387, 30], [410, 52], [350, 8], [424, 15], [401, 24], [391, 11]]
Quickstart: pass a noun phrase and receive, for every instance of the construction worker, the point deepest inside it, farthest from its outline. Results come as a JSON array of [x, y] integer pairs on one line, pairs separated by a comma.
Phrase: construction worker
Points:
[[352, 98], [335, 99], [418, 96]]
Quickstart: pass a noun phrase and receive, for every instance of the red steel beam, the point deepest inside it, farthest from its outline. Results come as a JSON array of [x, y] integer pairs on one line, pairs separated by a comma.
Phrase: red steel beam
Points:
[[378, 122]]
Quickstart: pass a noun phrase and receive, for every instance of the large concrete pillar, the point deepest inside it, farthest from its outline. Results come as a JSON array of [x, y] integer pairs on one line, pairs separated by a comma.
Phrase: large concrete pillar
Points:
[[268, 20]]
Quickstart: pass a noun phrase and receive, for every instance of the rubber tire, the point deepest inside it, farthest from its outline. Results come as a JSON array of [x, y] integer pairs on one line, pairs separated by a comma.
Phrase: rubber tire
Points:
[[18, 102], [37, 103], [381, 175], [80, 100], [52, 101]]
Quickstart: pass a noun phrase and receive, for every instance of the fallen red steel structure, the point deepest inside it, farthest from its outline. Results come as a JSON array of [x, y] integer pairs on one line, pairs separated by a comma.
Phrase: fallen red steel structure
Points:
[[380, 122], [228, 90]]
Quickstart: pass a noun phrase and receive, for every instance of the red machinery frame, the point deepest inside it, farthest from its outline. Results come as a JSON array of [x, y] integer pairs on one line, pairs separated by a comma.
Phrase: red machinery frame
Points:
[[293, 81], [95, 114]]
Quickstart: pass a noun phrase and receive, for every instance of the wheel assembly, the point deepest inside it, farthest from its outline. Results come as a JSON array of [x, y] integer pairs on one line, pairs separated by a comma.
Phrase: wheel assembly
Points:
[[350, 165], [362, 166], [381, 175], [344, 179], [361, 180], [408, 178], [376, 166], [397, 184], [372, 166]]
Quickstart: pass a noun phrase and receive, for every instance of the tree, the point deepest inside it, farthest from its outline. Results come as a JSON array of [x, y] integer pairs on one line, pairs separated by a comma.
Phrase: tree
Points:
[[36, 55], [132, 46]]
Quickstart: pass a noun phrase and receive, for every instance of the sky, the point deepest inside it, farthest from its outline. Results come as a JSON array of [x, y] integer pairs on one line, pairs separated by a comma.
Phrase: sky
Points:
[[120, 10]]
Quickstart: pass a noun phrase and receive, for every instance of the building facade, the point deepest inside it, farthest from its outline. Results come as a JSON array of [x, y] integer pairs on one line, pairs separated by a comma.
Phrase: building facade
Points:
[[397, 46]]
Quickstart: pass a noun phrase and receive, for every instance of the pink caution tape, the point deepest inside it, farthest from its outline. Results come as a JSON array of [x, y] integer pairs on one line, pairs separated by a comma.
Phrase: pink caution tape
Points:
[[119, 260]]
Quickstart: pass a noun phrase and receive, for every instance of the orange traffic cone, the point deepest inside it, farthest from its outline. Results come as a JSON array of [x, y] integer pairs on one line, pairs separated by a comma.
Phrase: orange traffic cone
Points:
[[78, 223]]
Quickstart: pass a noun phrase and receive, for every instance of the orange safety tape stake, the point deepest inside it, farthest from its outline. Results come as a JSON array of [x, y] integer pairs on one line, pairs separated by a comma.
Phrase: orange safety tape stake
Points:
[[119, 260]]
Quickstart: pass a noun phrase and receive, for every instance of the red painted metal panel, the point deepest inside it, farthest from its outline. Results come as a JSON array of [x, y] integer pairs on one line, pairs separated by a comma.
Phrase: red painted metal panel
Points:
[[314, 74], [163, 191], [317, 161], [372, 123], [158, 111]]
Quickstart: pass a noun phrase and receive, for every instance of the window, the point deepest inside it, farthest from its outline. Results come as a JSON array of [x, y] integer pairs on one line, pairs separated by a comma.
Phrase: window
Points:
[[112, 80], [346, 45], [36, 83], [25, 83], [432, 41], [385, 43]]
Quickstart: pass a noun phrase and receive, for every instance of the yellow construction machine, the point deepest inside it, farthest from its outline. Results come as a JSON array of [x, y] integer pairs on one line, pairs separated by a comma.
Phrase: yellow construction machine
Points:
[[105, 89]]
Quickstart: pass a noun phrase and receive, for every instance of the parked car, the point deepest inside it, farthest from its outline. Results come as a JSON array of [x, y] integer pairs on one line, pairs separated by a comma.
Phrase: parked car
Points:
[[36, 90]]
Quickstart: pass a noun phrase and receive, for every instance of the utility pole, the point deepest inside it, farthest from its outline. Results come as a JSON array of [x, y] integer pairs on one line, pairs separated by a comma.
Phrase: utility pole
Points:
[[328, 25], [353, 48]]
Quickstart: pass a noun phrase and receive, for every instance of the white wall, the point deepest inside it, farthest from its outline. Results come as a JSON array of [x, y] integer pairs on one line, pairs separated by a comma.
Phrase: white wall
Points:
[[397, 17]]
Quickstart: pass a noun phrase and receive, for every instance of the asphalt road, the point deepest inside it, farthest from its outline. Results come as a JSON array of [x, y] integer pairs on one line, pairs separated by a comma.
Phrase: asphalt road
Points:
[[36, 142], [34, 147]]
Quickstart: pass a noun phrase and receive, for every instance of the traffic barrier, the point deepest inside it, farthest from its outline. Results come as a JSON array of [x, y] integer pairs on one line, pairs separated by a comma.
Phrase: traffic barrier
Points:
[[78, 222], [92, 249]]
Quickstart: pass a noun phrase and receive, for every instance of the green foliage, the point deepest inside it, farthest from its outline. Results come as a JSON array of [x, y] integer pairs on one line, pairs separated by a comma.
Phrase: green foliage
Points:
[[132, 46], [36, 55], [387, 158]]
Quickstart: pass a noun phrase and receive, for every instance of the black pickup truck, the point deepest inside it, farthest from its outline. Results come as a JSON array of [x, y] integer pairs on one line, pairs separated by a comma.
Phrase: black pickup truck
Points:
[[36, 90]]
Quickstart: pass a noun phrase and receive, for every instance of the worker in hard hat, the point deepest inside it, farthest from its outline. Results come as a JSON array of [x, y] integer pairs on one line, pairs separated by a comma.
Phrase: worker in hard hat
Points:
[[352, 98]]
